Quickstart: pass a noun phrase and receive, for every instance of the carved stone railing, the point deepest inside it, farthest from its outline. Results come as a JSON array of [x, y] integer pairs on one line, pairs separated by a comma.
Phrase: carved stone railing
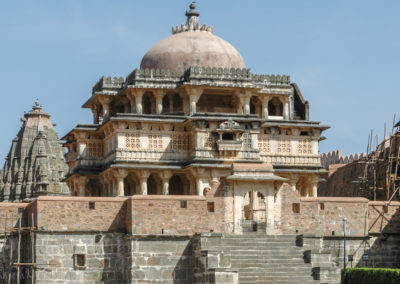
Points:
[[305, 160], [148, 155], [154, 74], [229, 145], [204, 74], [109, 84]]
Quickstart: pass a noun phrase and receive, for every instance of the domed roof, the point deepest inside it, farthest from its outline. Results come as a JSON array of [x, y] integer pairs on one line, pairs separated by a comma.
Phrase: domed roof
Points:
[[192, 45]]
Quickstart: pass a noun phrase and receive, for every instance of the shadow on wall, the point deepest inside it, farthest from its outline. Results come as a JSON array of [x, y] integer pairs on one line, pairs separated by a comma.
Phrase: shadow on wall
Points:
[[380, 248]]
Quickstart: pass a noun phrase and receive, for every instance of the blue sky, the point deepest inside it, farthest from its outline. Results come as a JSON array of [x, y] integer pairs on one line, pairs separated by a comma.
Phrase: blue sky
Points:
[[344, 55]]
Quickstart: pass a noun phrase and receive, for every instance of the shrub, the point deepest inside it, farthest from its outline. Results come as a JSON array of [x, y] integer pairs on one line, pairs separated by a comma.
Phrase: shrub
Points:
[[372, 276]]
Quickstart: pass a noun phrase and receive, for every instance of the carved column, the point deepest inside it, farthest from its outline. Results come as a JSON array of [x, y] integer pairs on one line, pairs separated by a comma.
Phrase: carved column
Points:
[[246, 102], [270, 211], [286, 108], [95, 110], [138, 94], [313, 186], [265, 107], [165, 177], [159, 94], [105, 103], [293, 179], [143, 176], [201, 180], [120, 175], [194, 96]]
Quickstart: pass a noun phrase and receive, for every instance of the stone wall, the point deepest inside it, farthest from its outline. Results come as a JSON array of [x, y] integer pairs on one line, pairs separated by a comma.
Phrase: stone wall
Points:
[[112, 258], [383, 251], [80, 213], [104, 258], [162, 259], [171, 215], [383, 217], [322, 216]]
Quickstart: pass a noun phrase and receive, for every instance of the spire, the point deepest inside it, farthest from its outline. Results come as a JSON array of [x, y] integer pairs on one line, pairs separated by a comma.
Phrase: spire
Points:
[[192, 16], [192, 22], [37, 107]]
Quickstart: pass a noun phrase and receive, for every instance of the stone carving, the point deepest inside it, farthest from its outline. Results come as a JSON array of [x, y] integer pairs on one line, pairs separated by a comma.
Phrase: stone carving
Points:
[[35, 164], [229, 125], [192, 23]]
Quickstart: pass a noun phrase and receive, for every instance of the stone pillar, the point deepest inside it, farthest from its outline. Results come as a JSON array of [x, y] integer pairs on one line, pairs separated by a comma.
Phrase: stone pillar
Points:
[[120, 175], [138, 94], [165, 182], [265, 107], [246, 102], [95, 110], [293, 179], [143, 176], [199, 186], [105, 103], [313, 187], [159, 94], [270, 209], [286, 109], [194, 96]]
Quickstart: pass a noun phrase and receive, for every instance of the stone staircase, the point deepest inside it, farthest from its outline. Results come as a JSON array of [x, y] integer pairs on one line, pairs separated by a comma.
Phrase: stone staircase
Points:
[[259, 258]]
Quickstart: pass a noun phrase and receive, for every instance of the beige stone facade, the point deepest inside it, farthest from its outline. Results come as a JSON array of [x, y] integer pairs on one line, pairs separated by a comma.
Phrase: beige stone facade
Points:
[[179, 132]]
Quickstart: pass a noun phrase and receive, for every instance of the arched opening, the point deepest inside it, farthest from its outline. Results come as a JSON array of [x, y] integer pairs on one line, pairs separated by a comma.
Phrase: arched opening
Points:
[[153, 185], [177, 103], [302, 186], [217, 103], [275, 107], [149, 103], [166, 104], [176, 186], [93, 188], [255, 105], [129, 186], [116, 107]]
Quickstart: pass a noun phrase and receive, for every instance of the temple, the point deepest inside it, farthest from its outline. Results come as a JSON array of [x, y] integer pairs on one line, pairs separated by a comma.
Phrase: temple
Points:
[[193, 116], [35, 164], [194, 170]]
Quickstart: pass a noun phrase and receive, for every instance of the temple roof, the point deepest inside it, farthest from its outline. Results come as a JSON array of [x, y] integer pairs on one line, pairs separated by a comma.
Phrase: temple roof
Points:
[[192, 45], [35, 164]]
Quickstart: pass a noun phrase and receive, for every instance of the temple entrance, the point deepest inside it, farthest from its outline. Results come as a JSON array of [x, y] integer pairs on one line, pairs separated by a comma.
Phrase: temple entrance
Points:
[[253, 214]]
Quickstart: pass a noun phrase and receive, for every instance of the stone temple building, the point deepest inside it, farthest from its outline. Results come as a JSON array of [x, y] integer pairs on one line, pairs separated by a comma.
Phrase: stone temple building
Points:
[[35, 164], [193, 116], [194, 170]]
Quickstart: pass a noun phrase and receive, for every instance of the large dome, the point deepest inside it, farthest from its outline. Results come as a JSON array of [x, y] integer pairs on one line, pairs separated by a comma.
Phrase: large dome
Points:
[[192, 45]]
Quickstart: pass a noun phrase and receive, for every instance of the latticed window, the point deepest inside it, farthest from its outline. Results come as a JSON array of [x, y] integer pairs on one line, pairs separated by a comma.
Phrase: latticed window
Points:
[[180, 142], [94, 149], [247, 140], [263, 144], [304, 147], [209, 140], [284, 147], [132, 141], [155, 142]]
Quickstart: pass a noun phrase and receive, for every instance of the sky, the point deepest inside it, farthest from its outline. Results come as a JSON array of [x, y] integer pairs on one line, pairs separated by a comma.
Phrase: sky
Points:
[[344, 55]]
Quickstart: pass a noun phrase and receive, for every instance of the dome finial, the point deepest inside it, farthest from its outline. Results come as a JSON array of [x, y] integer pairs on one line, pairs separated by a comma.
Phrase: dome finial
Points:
[[192, 17], [192, 23], [37, 107]]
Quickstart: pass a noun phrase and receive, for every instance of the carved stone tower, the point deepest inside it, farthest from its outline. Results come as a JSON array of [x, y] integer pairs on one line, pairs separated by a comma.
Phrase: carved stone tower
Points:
[[35, 164]]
